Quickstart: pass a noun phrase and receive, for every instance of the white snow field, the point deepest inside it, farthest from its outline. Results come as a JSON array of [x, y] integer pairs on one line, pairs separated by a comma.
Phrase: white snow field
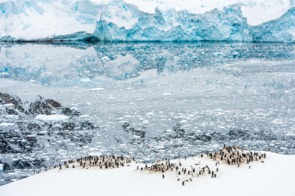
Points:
[[57, 117], [273, 177]]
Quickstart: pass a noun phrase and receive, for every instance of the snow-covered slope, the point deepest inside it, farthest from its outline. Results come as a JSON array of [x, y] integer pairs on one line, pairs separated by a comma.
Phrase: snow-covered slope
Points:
[[272, 178], [31, 20], [148, 20]]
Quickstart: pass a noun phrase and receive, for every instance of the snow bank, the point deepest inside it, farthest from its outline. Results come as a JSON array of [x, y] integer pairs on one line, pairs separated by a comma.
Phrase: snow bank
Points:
[[4, 124], [56, 117], [272, 178], [6, 127]]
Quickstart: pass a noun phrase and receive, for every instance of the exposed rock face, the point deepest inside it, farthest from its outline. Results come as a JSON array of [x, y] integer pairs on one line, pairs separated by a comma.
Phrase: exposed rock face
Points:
[[136, 132], [15, 101], [48, 106], [21, 132]]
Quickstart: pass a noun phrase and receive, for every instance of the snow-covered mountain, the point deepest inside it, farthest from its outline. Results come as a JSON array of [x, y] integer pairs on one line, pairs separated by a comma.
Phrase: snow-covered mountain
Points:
[[148, 20]]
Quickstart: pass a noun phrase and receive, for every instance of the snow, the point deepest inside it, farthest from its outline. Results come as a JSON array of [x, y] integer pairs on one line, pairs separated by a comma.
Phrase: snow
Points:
[[53, 117], [6, 124], [1, 167], [96, 89], [37, 20], [274, 177], [6, 127]]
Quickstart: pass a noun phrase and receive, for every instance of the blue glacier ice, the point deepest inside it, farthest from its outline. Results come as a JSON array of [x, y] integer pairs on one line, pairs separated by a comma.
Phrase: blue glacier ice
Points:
[[227, 24], [282, 29], [169, 25], [113, 20]]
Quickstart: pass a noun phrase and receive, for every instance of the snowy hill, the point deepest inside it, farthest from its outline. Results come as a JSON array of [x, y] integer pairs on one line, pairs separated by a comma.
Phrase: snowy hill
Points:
[[147, 20], [271, 178]]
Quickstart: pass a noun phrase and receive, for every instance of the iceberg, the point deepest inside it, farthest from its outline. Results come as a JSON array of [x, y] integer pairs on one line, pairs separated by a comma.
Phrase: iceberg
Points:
[[227, 24], [281, 30], [124, 22], [42, 20], [147, 20]]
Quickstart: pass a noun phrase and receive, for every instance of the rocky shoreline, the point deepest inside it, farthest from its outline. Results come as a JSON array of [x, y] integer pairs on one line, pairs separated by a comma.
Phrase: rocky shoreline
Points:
[[22, 133], [35, 136]]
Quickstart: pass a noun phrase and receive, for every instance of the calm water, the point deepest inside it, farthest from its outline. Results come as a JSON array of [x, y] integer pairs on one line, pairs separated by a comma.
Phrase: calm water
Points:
[[206, 89]]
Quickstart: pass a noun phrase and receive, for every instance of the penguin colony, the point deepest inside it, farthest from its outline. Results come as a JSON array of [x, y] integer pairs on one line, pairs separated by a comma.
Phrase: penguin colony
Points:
[[234, 155], [230, 155], [101, 162], [182, 173]]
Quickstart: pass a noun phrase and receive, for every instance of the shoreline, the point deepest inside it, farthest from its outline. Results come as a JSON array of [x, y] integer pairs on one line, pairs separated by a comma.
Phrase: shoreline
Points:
[[272, 177]]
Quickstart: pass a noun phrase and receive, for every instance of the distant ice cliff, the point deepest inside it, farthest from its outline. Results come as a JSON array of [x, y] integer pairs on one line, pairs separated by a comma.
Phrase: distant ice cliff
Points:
[[147, 20]]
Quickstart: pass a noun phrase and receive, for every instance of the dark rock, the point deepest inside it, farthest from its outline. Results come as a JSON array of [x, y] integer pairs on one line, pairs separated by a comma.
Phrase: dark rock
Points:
[[24, 136], [11, 111], [32, 141], [178, 130], [68, 126], [217, 136], [49, 106], [87, 125], [21, 164], [34, 127], [238, 134], [129, 129], [39, 163], [69, 112], [204, 138], [6, 99], [42, 107], [6, 167], [3, 145], [125, 125], [139, 133], [53, 103]]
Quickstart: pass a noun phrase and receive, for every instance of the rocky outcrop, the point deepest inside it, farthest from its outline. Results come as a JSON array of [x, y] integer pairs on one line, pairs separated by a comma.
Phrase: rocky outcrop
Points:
[[22, 133]]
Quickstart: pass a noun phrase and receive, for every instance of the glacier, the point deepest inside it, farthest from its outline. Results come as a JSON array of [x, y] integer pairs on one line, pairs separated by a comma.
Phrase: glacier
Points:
[[227, 24], [147, 20], [222, 25]]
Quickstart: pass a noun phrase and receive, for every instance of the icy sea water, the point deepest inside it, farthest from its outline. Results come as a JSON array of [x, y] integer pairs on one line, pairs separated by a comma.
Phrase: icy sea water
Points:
[[186, 97]]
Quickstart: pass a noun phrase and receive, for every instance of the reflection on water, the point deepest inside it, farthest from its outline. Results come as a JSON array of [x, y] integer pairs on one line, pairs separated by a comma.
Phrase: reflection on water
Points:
[[58, 65]]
